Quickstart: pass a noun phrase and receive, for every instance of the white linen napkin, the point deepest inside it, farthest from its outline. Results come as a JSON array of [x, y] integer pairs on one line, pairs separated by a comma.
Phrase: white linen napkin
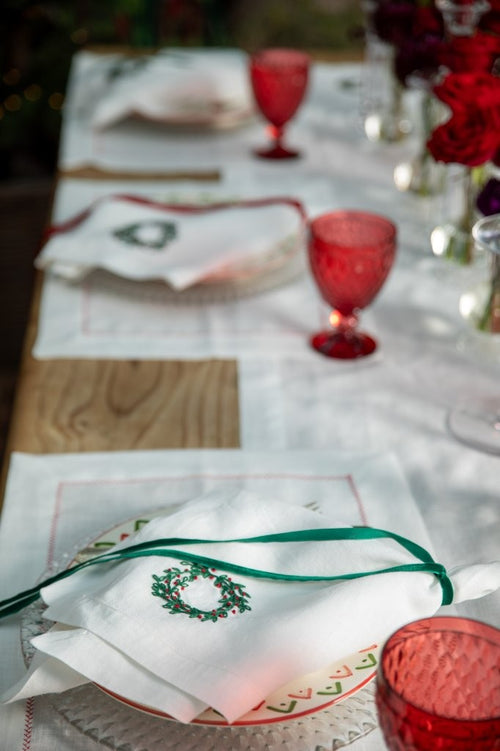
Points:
[[139, 239], [126, 634], [198, 87]]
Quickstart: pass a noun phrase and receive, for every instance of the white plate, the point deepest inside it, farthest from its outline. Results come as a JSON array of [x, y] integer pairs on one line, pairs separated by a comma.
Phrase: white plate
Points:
[[332, 707], [302, 696]]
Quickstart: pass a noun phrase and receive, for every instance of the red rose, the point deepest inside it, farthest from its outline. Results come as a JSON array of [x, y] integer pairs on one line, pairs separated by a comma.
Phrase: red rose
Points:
[[472, 134], [469, 90], [466, 140], [475, 53]]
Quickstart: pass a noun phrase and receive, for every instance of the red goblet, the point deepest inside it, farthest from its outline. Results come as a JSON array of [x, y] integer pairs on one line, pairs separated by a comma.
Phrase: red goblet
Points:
[[279, 81], [438, 686], [350, 255]]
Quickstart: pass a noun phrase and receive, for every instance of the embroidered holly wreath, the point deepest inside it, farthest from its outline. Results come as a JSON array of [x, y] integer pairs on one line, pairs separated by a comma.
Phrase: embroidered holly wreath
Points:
[[168, 586], [152, 234]]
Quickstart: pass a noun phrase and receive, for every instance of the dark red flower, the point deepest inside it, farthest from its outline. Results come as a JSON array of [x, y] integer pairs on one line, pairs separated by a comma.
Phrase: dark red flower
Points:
[[418, 56], [469, 90], [472, 134], [393, 20], [476, 53], [488, 200], [427, 20], [465, 140]]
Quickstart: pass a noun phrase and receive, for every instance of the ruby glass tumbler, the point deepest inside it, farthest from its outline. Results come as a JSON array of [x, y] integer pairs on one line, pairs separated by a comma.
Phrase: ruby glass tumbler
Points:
[[438, 686], [279, 80], [350, 255]]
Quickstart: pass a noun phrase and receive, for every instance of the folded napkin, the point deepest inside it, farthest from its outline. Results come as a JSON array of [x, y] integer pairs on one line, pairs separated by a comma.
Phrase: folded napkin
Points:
[[140, 239], [201, 625], [198, 87]]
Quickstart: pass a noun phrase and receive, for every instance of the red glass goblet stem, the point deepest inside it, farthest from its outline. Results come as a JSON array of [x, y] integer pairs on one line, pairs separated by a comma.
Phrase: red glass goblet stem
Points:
[[350, 255], [438, 686]]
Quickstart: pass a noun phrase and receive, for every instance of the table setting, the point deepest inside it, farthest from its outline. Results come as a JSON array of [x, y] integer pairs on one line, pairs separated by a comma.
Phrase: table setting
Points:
[[251, 597]]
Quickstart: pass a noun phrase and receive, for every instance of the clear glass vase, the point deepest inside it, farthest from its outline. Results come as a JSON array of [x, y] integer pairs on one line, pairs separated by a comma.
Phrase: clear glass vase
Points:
[[383, 107], [422, 175], [481, 305], [476, 419], [452, 238]]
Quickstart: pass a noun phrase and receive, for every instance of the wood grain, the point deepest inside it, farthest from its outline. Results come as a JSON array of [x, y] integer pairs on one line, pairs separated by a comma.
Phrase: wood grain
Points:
[[73, 405], [110, 405]]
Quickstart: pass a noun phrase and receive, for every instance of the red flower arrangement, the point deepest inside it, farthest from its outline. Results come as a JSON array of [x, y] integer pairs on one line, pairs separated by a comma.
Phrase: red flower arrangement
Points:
[[471, 136]]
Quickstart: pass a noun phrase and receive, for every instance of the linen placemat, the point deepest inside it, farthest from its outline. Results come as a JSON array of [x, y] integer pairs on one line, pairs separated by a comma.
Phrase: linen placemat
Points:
[[56, 504]]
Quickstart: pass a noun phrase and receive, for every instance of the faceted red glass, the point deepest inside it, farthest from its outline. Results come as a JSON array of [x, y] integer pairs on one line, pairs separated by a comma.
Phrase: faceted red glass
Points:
[[279, 80], [438, 686], [350, 256]]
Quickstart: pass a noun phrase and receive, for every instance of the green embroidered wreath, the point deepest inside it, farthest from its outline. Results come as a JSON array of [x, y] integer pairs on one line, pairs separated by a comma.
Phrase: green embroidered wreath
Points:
[[164, 233], [168, 586]]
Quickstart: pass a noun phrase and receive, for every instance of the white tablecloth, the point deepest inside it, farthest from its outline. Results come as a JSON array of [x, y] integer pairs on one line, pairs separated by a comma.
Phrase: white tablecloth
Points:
[[290, 397]]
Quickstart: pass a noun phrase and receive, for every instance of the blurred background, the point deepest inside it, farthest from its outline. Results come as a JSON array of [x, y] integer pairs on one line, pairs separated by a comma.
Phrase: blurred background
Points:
[[37, 42]]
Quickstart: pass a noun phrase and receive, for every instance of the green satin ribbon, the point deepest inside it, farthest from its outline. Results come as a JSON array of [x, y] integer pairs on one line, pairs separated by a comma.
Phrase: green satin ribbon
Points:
[[162, 547]]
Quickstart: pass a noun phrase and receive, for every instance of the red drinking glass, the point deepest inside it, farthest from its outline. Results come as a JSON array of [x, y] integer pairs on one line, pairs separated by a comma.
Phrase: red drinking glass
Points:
[[438, 686], [350, 255], [279, 80]]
